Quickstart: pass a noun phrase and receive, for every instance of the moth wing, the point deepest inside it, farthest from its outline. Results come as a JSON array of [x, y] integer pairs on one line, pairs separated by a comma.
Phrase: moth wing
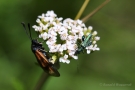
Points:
[[53, 71], [42, 60], [46, 65]]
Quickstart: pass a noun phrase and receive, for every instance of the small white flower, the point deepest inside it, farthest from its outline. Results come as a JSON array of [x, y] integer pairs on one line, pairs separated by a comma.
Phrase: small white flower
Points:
[[62, 47], [50, 14], [74, 30], [94, 42], [59, 19], [95, 48], [45, 27], [80, 35], [54, 48], [72, 39], [88, 51], [64, 59], [37, 28], [38, 21], [90, 28], [70, 43], [51, 41], [62, 30], [79, 22], [44, 35], [46, 19], [66, 26], [92, 48], [85, 29], [64, 36], [87, 34], [41, 25], [89, 48], [42, 16], [94, 33], [71, 54], [51, 32], [75, 57], [97, 38], [49, 19], [56, 27], [71, 46], [68, 20]]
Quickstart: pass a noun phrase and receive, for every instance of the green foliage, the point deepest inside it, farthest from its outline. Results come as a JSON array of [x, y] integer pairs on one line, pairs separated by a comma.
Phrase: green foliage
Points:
[[114, 63]]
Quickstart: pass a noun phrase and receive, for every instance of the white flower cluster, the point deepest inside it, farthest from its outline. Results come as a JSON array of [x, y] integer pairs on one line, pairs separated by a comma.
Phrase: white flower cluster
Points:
[[61, 36]]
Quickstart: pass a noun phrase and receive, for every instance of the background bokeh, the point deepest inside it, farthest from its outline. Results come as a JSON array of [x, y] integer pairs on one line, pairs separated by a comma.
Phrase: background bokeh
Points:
[[103, 70]]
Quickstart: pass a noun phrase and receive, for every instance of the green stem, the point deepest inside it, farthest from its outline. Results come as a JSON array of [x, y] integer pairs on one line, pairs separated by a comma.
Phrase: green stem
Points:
[[43, 78], [82, 9], [94, 11]]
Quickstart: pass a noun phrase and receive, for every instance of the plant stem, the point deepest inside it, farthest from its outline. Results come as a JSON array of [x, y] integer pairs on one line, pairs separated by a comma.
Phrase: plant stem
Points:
[[94, 11], [82, 9], [43, 78]]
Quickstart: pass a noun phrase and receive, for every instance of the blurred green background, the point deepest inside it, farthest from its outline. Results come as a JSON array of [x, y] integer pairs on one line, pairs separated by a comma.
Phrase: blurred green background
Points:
[[102, 70]]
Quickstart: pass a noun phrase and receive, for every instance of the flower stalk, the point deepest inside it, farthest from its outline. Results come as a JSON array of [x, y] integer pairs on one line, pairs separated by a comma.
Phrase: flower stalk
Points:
[[94, 11]]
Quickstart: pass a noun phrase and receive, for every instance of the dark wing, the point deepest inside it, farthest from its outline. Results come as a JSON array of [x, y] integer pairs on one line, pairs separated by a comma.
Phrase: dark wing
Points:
[[42, 60], [46, 65], [53, 71]]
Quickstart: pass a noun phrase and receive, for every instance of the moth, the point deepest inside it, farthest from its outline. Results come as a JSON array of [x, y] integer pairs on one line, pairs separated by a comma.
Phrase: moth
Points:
[[42, 56]]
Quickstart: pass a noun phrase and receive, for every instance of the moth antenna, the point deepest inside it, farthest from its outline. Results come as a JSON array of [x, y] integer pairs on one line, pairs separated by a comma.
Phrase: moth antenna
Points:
[[29, 26], [24, 26], [29, 30]]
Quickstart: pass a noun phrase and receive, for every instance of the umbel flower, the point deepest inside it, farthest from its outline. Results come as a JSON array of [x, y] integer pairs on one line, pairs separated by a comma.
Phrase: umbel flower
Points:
[[64, 37]]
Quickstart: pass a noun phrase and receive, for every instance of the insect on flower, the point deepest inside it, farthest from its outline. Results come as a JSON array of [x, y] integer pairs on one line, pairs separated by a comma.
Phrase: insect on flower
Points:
[[42, 56], [86, 41]]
